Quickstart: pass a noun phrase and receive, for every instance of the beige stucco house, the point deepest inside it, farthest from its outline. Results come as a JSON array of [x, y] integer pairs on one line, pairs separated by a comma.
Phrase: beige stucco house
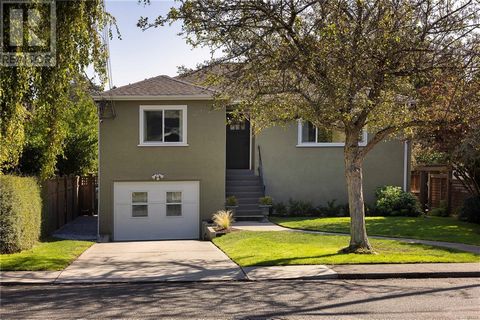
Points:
[[168, 159]]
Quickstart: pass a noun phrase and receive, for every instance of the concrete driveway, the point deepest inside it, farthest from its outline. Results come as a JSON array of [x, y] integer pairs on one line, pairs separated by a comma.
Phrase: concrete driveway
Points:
[[187, 260]]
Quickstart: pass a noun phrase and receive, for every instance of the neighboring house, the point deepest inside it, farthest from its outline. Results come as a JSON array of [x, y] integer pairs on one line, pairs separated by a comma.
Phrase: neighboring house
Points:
[[168, 159]]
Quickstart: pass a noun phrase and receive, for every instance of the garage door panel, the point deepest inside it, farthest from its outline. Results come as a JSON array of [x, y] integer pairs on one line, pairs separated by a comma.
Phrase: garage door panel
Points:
[[156, 225], [126, 226]]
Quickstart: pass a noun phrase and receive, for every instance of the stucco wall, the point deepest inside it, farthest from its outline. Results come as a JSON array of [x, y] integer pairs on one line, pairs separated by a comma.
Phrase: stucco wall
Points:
[[121, 159], [317, 174]]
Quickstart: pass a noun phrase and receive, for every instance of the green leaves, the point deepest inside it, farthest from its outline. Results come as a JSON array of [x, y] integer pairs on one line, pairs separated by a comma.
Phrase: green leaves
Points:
[[41, 95], [334, 61]]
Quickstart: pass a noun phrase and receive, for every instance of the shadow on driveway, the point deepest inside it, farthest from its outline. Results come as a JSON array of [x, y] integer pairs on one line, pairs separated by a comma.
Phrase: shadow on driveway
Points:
[[82, 228]]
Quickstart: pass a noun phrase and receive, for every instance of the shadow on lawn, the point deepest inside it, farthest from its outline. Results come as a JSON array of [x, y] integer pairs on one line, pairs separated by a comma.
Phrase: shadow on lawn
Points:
[[40, 258], [426, 228]]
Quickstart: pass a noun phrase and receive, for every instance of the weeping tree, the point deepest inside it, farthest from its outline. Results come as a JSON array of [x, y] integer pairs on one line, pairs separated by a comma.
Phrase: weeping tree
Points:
[[340, 64], [42, 94]]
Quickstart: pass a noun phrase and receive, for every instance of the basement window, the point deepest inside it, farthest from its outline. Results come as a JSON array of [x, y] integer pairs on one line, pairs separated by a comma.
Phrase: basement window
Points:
[[310, 135], [163, 126]]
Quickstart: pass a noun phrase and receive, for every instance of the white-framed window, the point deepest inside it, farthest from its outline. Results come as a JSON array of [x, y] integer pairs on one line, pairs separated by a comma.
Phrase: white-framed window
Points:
[[311, 136], [139, 204], [163, 126], [174, 204]]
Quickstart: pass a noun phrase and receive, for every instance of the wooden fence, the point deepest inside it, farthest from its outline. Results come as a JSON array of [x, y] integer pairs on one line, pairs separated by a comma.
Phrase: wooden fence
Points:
[[435, 185], [65, 198]]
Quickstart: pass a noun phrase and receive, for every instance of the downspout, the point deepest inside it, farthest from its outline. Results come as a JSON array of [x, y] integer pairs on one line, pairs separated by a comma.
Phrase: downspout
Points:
[[98, 177], [405, 165]]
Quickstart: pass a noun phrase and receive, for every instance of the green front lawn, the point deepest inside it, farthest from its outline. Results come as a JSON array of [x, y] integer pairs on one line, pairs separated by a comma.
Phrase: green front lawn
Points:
[[52, 254], [270, 248], [428, 228]]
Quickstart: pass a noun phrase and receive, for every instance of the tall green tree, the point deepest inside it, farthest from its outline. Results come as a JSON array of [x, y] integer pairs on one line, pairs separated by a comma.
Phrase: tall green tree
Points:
[[344, 64], [42, 94], [80, 153], [79, 147]]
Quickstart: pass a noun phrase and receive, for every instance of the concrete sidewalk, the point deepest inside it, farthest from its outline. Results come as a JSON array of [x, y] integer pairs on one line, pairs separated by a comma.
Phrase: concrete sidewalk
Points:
[[259, 273], [28, 277], [258, 226]]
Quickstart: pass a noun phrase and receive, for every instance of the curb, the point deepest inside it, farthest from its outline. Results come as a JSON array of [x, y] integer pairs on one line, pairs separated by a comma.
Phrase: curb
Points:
[[105, 282], [408, 275]]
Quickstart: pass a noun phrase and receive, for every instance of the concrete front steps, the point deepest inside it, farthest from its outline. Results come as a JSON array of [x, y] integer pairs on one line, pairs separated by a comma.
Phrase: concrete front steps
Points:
[[247, 188]]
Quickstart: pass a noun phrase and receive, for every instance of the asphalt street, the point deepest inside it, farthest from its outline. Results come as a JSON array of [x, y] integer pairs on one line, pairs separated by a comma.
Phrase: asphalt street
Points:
[[330, 299]]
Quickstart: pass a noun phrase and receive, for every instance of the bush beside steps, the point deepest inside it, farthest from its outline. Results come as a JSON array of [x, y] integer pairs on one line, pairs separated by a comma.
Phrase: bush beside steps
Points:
[[20, 213]]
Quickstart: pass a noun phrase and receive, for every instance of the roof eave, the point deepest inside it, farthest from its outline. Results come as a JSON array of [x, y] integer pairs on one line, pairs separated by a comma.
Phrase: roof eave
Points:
[[146, 98]]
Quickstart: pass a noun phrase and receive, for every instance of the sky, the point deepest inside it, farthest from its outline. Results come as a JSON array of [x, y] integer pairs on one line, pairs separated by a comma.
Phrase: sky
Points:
[[144, 54]]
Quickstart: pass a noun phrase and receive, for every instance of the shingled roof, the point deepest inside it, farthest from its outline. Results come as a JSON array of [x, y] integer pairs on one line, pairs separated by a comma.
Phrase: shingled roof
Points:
[[158, 87]]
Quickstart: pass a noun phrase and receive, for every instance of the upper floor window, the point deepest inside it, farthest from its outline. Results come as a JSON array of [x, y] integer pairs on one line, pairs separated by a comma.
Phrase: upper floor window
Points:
[[163, 125], [312, 136]]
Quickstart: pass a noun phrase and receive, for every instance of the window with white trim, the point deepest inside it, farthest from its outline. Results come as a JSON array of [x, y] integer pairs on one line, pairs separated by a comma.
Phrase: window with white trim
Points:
[[139, 204], [174, 204], [163, 125], [310, 135]]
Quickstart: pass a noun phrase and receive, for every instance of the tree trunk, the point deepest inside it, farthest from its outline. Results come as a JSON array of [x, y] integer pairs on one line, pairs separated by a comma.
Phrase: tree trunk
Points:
[[353, 174]]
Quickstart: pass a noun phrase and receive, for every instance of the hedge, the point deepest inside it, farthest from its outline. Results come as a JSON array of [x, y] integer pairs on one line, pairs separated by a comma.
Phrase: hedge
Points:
[[20, 213], [471, 210]]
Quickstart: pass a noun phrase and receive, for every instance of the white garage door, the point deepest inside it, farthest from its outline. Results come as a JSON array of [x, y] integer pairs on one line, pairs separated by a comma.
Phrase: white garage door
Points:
[[156, 210]]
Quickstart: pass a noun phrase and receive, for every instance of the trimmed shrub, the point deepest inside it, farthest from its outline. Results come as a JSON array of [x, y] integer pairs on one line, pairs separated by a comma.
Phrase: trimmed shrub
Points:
[[371, 210], [393, 201], [471, 210], [231, 201], [280, 208], [305, 208], [441, 211], [265, 201], [20, 213], [333, 210], [299, 208]]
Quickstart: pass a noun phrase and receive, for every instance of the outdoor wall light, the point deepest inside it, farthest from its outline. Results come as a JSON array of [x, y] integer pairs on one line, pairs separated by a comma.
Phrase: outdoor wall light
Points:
[[157, 176]]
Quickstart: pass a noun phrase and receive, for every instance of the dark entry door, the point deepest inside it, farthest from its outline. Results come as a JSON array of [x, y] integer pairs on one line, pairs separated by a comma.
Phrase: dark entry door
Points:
[[238, 144]]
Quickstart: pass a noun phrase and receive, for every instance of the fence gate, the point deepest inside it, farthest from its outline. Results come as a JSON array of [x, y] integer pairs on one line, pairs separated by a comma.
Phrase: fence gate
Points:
[[435, 186]]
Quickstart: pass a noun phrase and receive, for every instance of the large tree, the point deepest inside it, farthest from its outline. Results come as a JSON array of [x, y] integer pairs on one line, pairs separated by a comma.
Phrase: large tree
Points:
[[42, 94], [78, 153], [340, 64]]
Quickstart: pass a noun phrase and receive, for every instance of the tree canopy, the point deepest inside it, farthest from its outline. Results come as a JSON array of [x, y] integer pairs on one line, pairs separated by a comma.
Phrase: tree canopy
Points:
[[341, 64]]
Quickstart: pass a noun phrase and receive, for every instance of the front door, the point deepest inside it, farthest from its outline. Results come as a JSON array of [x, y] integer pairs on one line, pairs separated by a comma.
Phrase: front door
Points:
[[238, 144]]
